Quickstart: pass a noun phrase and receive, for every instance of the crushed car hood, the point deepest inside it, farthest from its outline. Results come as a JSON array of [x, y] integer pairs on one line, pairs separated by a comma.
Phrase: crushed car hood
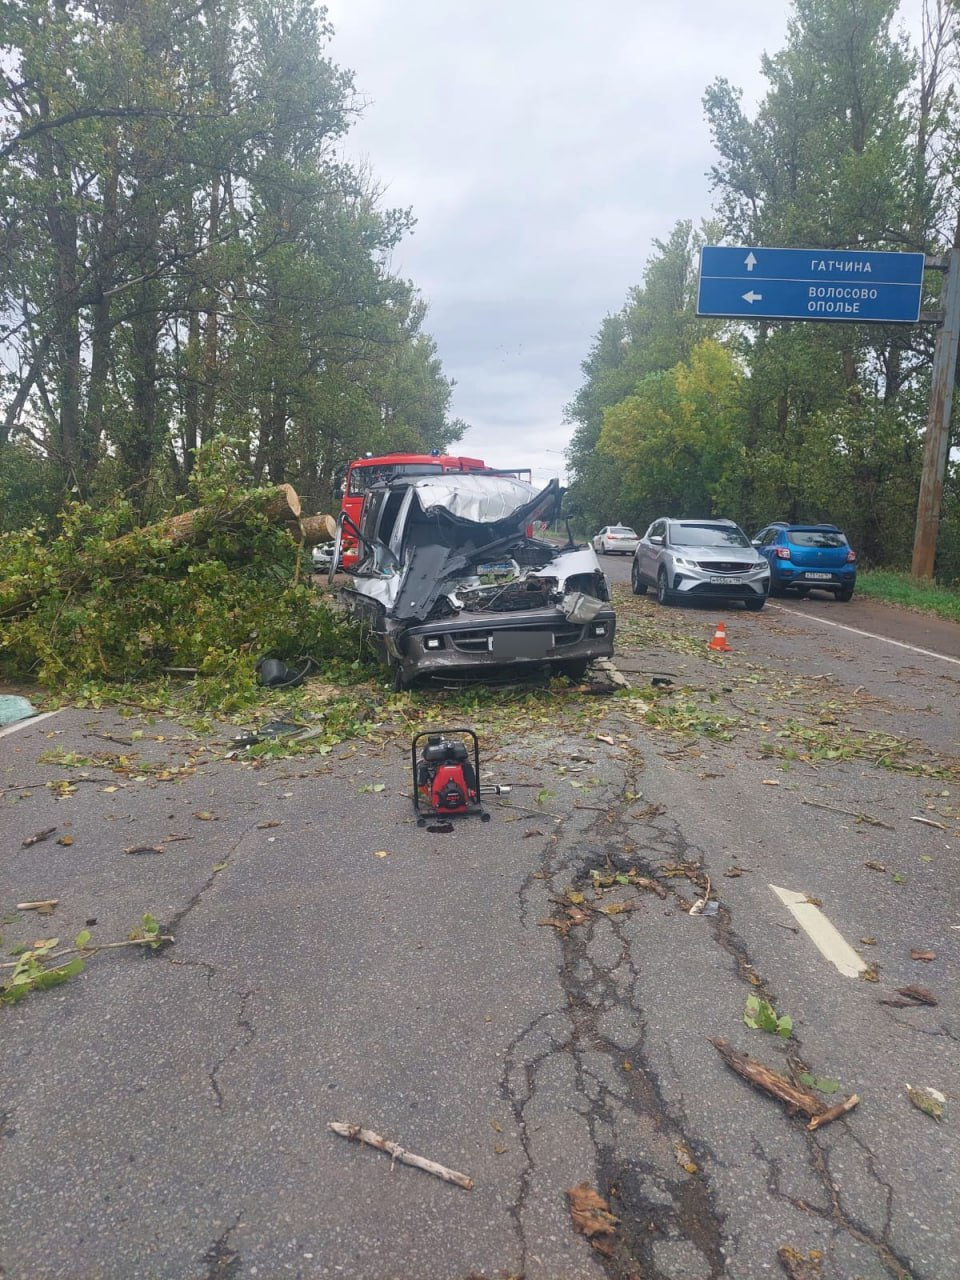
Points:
[[457, 526]]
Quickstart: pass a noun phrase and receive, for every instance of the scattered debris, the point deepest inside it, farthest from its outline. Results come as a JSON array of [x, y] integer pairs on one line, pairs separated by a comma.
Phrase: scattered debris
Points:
[[684, 1158], [875, 866], [44, 907], [592, 1217], [37, 837], [850, 813], [929, 1101], [910, 997], [145, 848], [794, 1097], [926, 956], [929, 822], [798, 1267], [760, 1015], [355, 1133], [822, 1084], [14, 709]]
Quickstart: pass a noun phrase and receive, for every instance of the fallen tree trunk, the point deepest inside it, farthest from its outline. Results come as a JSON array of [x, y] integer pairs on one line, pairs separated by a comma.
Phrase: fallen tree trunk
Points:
[[124, 556], [278, 505]]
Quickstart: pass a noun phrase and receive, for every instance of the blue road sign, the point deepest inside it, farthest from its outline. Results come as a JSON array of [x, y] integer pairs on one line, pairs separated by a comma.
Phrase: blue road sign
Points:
[[810, 284]]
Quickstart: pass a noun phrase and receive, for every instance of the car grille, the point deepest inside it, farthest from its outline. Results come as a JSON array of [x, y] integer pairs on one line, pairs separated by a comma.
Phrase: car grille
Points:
[[478, 640], [727, 566]]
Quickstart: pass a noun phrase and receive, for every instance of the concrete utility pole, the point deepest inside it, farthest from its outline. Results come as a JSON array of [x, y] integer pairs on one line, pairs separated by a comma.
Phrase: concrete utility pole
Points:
[[937, 442]]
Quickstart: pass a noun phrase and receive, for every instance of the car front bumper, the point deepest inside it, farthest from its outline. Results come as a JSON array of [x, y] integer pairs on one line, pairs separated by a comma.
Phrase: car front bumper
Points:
[[741, 586], [482, 642]]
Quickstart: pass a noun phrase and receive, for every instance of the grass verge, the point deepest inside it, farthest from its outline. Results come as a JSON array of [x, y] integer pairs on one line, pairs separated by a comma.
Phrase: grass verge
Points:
[[903, 590]]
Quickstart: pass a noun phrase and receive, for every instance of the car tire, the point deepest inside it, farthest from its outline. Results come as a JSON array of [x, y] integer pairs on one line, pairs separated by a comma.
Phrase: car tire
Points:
[[775, 588], [802, 593], [639, 588], [574, 670], [845, 594], [755, 603], [664, 594]]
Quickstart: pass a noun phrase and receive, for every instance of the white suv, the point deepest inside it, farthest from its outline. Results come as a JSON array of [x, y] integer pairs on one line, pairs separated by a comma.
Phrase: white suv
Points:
[[684, 559]]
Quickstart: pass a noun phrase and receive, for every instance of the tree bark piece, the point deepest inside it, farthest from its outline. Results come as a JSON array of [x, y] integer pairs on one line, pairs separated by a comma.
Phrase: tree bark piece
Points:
[[355, 1133], [794, 1097]]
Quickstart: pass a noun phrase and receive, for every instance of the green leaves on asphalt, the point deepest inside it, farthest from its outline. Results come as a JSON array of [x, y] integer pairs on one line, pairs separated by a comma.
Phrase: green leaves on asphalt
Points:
[[761, 1016]]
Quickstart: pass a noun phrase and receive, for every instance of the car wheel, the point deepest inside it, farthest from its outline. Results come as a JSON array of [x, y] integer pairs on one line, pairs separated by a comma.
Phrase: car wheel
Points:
[[574, 670], [845, 594], [400, 682], [755, 603], [664, 594], [639, 588], [775, 588], [802, 593]]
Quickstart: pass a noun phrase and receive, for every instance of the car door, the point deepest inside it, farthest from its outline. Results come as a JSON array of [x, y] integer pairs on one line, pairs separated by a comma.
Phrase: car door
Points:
[[648, 552], [764, 541]]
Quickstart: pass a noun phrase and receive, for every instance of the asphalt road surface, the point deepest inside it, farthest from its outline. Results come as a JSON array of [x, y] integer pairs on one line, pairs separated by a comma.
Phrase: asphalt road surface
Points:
[[494, 998]]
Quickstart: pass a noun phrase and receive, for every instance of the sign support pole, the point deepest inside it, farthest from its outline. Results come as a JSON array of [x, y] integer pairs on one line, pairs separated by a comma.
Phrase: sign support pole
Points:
[[937, 441]]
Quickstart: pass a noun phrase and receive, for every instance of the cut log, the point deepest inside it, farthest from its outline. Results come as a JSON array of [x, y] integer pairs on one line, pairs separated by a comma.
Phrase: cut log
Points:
[[315, 529]]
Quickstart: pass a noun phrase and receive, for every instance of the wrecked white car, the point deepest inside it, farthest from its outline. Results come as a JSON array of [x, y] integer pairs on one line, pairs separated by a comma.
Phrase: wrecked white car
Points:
[[451, 580]]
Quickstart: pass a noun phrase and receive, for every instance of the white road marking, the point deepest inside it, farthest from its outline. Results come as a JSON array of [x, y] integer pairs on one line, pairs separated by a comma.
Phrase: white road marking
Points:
[[825, 937], [22, 724], [842, 626]]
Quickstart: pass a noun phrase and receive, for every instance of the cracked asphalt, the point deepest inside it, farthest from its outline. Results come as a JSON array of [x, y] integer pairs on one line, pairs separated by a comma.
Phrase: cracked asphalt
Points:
[[494, 998]]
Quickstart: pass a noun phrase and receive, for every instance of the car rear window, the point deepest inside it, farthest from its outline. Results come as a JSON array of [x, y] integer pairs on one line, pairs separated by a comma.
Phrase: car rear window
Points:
[[623, 530], [816, 538]]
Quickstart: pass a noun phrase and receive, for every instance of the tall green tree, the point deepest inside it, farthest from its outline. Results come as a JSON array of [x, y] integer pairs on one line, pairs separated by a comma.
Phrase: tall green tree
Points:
[[183, 254]]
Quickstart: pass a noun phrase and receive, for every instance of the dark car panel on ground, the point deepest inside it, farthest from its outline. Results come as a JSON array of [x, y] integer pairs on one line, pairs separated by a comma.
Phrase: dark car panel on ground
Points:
[[805, 557], [692, 559]]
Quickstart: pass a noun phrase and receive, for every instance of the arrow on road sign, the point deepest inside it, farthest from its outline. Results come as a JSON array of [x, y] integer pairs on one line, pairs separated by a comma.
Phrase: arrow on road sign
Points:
[[750, 260], [752, 297]]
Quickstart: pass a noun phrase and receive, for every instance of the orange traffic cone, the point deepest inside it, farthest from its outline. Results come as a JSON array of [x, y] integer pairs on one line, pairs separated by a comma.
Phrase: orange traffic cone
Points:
[[719, 640]]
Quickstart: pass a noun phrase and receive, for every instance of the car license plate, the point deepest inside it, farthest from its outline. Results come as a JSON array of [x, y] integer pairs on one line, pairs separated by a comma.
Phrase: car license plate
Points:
[[821, 577], [725, 581], [521, 644]]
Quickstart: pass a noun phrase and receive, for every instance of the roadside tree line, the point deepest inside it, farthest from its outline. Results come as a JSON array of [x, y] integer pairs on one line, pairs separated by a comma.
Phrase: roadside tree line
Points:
[[853, 146], [184, 255]]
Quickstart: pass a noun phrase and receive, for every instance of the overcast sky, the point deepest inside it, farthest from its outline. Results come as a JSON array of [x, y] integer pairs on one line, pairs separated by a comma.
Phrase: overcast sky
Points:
[[542, 147]]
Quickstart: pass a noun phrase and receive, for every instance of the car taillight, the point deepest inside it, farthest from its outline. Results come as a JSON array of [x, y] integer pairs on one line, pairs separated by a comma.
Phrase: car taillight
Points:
[[783, 553], [851, 556]]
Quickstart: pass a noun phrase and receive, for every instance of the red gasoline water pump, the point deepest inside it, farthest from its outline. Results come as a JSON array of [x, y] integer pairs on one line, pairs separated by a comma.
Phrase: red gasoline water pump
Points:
[[446, 775]]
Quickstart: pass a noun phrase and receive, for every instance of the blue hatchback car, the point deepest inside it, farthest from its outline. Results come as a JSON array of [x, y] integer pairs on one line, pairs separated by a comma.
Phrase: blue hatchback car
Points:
[[808, 556]]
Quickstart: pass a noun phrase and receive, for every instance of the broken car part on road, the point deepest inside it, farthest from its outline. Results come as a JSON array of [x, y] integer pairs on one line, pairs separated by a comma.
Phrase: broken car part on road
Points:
[[450, 580]]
